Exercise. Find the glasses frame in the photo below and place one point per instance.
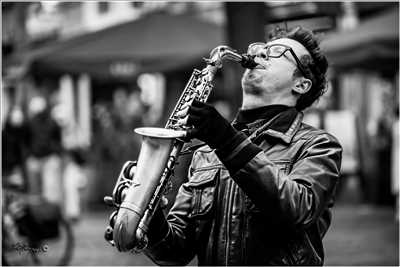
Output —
(300, 66)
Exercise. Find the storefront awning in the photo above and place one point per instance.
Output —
(156, 42)
(374, 44)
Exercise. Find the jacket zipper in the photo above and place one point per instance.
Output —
(244, 230)
(228, 216)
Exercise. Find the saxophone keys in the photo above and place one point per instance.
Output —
(188, 98)
(108, 234)
(183, 112)
(183, 121)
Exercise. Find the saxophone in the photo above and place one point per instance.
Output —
(137, 196)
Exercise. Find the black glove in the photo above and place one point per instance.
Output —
(208, 125)
(232, 146)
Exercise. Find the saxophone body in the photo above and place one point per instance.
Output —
(140, 184)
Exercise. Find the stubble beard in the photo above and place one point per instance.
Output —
(251, 84)
(252, 94)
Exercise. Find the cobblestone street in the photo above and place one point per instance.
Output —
(359, 235)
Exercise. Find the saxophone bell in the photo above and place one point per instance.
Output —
(129, 233)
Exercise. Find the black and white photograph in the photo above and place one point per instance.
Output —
(190, 133)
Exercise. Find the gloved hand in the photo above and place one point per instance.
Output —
(208, 125)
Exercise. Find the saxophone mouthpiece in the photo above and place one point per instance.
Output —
(248, 62)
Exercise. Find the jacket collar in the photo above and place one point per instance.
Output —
(283, 126)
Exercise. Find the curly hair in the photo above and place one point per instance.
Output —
(315, 66)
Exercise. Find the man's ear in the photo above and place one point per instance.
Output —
(302, 85)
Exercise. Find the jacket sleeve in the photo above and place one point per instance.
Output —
(297, 198)
(171, 239)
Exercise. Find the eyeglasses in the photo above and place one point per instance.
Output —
(274, 51)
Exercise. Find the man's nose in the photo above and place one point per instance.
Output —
(261, 58)
(262, 55)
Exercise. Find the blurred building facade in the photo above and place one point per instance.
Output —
(358, 96)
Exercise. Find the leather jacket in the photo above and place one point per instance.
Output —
(274, 210)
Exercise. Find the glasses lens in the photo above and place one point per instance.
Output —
(262, 48)
(255, 48)
(276, 50)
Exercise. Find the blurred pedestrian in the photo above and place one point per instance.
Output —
(45, 148)
(260, 191)
(75, 180)
(384, 144)
(14, 149)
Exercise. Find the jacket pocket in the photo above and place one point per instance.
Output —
(203, 183)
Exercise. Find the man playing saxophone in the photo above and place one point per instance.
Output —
(260, 192)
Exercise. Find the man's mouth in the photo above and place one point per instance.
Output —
(261, 67)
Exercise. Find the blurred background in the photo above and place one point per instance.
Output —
(78, 77)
